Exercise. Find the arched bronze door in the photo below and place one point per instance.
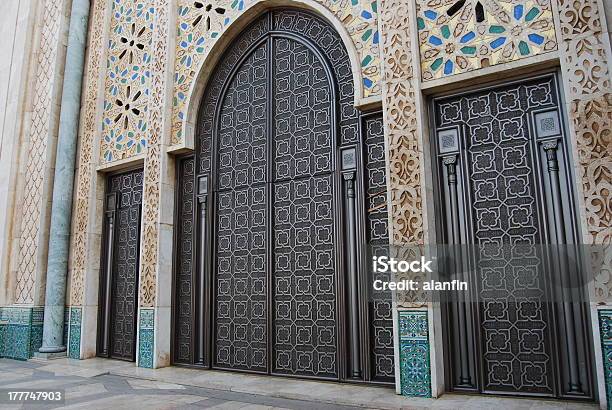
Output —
(268, 274)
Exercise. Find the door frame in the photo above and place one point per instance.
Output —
(104, 309)
(576, 235)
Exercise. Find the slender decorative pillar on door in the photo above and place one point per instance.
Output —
(202, 258)
(450, 162)
(349, 165)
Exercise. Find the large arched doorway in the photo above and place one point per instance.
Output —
(285, 192)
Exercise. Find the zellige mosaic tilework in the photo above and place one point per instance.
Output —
(74, 333)
(415, 369)
(128, 75)
(201, 23)
(20, 331)
(458, 36)
(605, 328)
(146, 327)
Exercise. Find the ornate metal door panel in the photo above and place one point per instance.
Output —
(241, 336)
(493, 165)
(265, 209)
(305, 335)
(184, 278)
(379, 301)
(304, 278)
(120, 266)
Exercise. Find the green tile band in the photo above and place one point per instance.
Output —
(20, 331)
(605, 329)
(146, 327)
(74, 332)
(415, 368)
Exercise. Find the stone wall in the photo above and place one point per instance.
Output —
(16, 36)
(32, 45)
(151, 55)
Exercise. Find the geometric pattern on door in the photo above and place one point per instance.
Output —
(127, 191)
(501, 190)
(276, 109)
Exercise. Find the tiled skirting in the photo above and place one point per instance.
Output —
(415, 368)
(20, 331)
(74, 332)
(66, 323)
(605, 328)
(146, 335)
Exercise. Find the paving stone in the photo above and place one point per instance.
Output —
(151, 384)
(85, 390)
(106, 384)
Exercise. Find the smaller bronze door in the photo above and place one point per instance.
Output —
(119, 267)
(506, 206)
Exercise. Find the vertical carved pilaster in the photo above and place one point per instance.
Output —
(42, 131)
(585, 53)
(349, 179)
(155, 158)
(82, 224)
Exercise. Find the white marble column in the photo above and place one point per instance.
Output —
(61, 210)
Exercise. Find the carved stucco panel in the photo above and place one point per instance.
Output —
(403, 135)
(81, 223)
(153, 159)
(586, 67)
(585, 54)
(39, 138)
(592, 121)
(401, 128)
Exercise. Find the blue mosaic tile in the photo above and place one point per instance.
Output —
(415, 368)
(36, 331)
(605, 328)
(146, 328)
(21, 331)
(74, 333)
(36, 335)
(66, 323)
(38, 314)
(3, 315)
(2, 337)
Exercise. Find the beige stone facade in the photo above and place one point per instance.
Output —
(33, 50)
(157, 55)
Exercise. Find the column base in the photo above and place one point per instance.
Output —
(52, 349)
(50, 355)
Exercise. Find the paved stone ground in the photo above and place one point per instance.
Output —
(106, 391)
(109, 384)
